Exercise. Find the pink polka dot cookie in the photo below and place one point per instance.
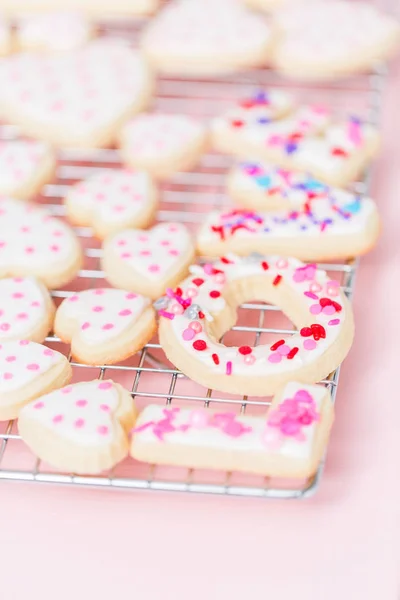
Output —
(149, 261)
(209, 38)
(25, 167)
(209, 298)
(82, 428)
(92, 8)
(79, 98)
(162, 144)
(112, 200)
(32, 242)
(27, 371)
(26, 309)
(54, 31)
(324, 40)
(105, 326)
(289, 441)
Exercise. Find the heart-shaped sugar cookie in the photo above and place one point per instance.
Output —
(105, 326)
(32, 242)
(78, 98)
(81, 428)
(28, 370)
(112, 200)
(148, 261)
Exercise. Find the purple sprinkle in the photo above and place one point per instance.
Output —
(290, 148)
(263, 120)
(229, 368)
(334, 322)
(311, 295)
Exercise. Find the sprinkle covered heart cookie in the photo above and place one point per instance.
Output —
(324, 40)
(32, 242)
(208, 37)
(79, 98)
(54, 31)
(26, 309)
(112, 200)
(105, 326)
(149, 261)
(82, 428)
(27, 371)
(25, 167)
(162, 144)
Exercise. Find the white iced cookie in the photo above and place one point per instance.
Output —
(112, 200)
(27, 371)
(162, 143)
(323, 40)
(54, 31)
(149, 261)
(25, 167)
(289, 441)
(210, 38)
(32, 242)
(93, 8)
(105, 326)
(26, 309)
(82, 428)
(204, 306)
(79, 98)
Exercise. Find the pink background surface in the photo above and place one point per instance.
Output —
(60, 542)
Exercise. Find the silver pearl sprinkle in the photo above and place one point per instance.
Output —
(254, 257)
(161, 303)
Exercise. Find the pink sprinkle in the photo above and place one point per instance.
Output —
(284, 349)
(315, 309)
(81, 403)
(102, 430)
(311, 295)
(173, 252)
(98, 308)
(119, 208)
(105, 385)
(33, 367)
(48, 352)
(108, 326)
(8, 375)
(17, 295)
(334, 322)
(11, 358)
(57, 233)
(58, 418)
(66, 390)
(188, 334)
(29, 249)
(309, 344)
(85, 325)
(329, 310)
(143, 238)
(22, 316)
(154, 268)
(229, 368)
(105, 407)
(131, 296)
(145, 253)
(98, 292)
(18, 280)
(172, 228)
(125, 313)
(121, 243)
(54, 248)
(79, 423)
(275, 357)
(4, 327)
(126, 255)
(38, 405)
(35, 303)
(74, 298)
(165, 243)
(24, 342)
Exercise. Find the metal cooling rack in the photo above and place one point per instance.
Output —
(186, 197)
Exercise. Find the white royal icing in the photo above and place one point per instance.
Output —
(83, 413)
(79, 91)
(22, 361)
(19, 162)
(54, 30)
(113, 196)
(23, 306)
(103, 314)
(31, 238)
(160, 135)
(153, 252)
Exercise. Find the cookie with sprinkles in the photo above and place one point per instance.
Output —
(289, 441)
(27, 371)
(33, 242)
(162, 144)
(209, 298)
(111, 200)
(82, 428)
(326, 40)
(54, 31)
(25, 167)
(105, 326)
(78, 98)
(191, 38)
(148, 262)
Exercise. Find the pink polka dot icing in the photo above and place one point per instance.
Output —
(101, 317)
(14, 304)
(19, 161)
(147, 254)
(78, 416)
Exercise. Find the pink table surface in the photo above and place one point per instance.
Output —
(63, 543)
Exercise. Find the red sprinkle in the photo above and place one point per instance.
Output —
(245, 350)
(215, 358)
(218, 229)
(237, 123)
(318, 332)
(198, 281)
(199, 345)
(178, 291)
(339, 152)
(215, 294)
(277, 344)
(277, 280)
(201, 315)
(265, 265)
(292, 353)
(225, 260)
(306, 331)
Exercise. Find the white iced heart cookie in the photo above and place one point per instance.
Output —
(32, 242)
(28, 370)
(289, 441)
(210, 296)
(55, 31)
(82, 428)
(94, 8)
(79, 98)
(208, 37)
(322, 40)
(25, 167)
(105, 326)
(112, 200)
(26, 309)
(162, 143)
(149, 261)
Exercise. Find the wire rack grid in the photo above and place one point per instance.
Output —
(186, 198)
